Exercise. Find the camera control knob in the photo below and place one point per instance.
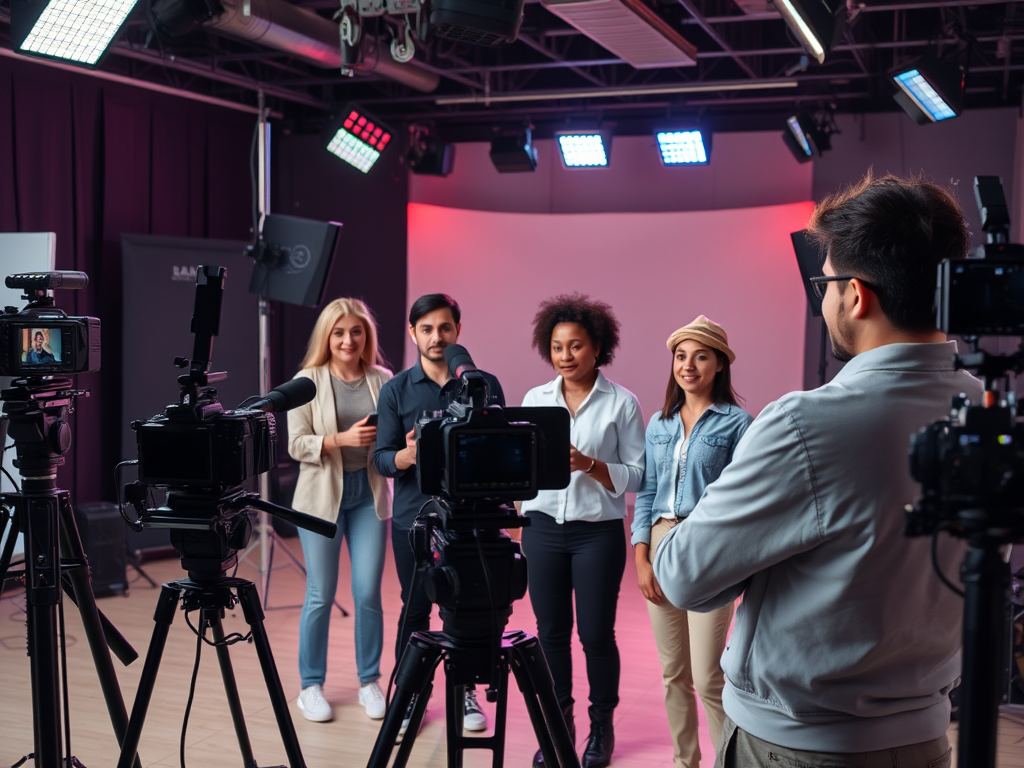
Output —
(60, 437)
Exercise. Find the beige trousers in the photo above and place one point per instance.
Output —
(690, 648)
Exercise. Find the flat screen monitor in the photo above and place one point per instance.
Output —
(295, 259)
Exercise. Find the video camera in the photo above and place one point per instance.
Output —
(42, 340)
(976, 458)
(479, 452)
(204, 455)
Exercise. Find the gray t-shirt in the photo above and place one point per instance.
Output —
(353, 401)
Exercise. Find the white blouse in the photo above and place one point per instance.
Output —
(608, 426)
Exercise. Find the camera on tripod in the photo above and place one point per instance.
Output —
(41, 339)
(975, 459)
(478, 452)
(204, 455)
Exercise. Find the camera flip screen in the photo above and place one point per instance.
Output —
(980, 297)
(499, 462)
(39, 347)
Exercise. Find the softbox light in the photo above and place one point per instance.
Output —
(293, 259)
(78, 31)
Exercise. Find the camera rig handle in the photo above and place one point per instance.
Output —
(36, 284)
(300, 519)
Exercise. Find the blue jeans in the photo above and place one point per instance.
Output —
(366, 534)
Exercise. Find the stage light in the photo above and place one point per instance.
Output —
(584, 149)
(814, 22)
(358, 138)
(801, 136)
(428, 155)
(930, 90)
(78, 31)
(514, 153)
(686, 147)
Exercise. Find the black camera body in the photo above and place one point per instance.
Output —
(475, 451)
(220, 449)
(42, 340)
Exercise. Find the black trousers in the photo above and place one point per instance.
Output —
(588, 559)
(416, 607)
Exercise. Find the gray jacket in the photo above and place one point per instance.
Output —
(846, 640)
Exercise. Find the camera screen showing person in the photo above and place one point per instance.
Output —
(40, 346)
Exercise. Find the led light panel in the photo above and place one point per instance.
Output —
(582, 150)
(924, 96)
(682, 147)
(359, 141)
(76, 30)
(798, 133)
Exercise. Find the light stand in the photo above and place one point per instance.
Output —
(267, 538)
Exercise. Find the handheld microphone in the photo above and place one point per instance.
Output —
(289, 395)
(458, 359)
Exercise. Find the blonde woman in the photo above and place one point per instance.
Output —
(332, 438)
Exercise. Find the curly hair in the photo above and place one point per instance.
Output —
(595, 317)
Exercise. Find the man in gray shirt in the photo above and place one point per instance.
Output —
(846, 643)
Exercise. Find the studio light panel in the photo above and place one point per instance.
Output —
(359, 140)
(682, 147)
(914, 84)
(73, 30)
(583, 150)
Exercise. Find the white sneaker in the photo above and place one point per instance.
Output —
(314, 706)
(474, 718)
(371, 697)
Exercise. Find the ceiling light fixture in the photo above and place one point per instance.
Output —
(814, 22)
(930, 90)
(358, 138)
(78, 31)
(584, 149)
(684, 147)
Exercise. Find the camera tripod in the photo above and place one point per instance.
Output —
(463, 665)
(55, 561)
(207, 530)
(211, 597)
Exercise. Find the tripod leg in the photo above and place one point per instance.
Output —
(42, 591)
(71, 548)
(534, 678)
(227, 673)
(166, 604)
(455, 712)
(413, 679)
(253, 613)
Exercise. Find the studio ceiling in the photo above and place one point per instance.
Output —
(749, 71)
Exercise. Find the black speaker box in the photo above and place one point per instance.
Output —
(102, 530)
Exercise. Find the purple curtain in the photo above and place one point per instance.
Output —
(89, 160)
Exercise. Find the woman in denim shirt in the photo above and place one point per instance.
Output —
(688, 445)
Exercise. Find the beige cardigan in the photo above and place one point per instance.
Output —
(319, 487)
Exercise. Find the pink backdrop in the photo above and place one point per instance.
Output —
(657, 270)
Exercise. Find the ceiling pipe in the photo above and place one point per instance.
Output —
(301, 33)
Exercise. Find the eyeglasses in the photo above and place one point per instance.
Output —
(820, 284)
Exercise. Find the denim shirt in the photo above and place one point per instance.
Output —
(711, 444)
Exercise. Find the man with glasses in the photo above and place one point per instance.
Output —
(846, 643)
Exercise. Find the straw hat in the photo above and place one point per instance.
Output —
(706, 332)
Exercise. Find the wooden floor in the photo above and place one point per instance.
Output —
(640, 726)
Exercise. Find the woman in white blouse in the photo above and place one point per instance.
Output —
(576, 545)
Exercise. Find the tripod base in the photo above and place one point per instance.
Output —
(211, 598)
(519, 651)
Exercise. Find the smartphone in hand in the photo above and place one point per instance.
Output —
(371, 420)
